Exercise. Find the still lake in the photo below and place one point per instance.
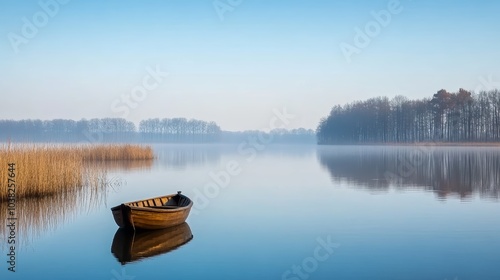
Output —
(283, 212)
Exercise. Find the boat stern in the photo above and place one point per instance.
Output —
(121, 214)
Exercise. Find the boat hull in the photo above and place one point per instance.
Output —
(135, 215)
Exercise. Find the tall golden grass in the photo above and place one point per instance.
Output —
(115, 152)
(43, 170)
(37, 216)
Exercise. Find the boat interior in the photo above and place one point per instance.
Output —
(173, 202)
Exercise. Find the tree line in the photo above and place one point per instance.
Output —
(460, 116)
(155, 130)
(107, 130)
(278, 135)
(178, 130)
(65, 130)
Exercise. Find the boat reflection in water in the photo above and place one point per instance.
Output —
(129, 246)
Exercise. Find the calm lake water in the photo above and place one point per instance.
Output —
(283, 212)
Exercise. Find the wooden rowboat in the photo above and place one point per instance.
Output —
(130, 246)
(154, 213)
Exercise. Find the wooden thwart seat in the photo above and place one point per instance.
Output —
(165, 207)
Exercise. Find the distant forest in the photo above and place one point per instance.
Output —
(446, 117)
(174, 130)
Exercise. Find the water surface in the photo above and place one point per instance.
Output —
(386, 213)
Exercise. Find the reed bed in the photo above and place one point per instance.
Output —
(43, 170)
(38, 216)
(116, 152)
(122, 165)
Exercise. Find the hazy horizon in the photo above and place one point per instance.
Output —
(236, 65)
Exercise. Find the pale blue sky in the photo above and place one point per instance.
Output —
(264, 54)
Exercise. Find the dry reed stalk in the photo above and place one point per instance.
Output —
(43, 170)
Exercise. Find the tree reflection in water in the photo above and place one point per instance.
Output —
(461, 171)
